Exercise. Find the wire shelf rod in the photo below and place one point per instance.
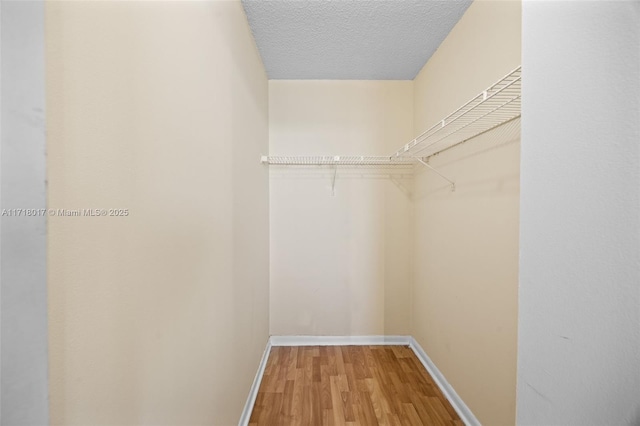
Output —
(334, 160)
(496, 105)
(499, 120)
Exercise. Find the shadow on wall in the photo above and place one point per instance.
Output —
(473, 151)
(400, 176)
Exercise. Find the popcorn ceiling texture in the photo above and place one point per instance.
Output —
(346, 40)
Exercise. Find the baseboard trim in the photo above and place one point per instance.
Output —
(339, 340)
(458, 404)
(253, 392)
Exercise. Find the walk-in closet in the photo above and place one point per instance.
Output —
(320, 212)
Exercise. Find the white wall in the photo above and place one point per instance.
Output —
(160, 317)
(23, 271)
(579, 309)
(466, 242)
(340, 265)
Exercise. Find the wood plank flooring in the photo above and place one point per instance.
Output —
(349, 385)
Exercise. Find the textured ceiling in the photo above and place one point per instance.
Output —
(350, 39)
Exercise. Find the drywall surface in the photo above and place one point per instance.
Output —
(350, 40)
(23, 259)
(340, 264)
(158, 108)
(466, 242)
(579, 324)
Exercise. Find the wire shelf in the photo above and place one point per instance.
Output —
(493, 107)
(497, 105)
(335, 160)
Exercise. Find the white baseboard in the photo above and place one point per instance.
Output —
(339, 340)
(461, 408)
(253, 392)
(458, 404)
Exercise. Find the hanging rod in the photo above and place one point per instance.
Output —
(334, 160)
(496, 105)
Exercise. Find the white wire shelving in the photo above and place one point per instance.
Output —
(493, 107)
(496, 105)
(335, 160)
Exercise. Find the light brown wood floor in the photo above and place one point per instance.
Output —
(349, 385)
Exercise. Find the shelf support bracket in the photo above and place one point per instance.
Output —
(453, 184)
(333, 183)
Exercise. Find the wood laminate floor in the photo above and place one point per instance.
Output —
(349, 385)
